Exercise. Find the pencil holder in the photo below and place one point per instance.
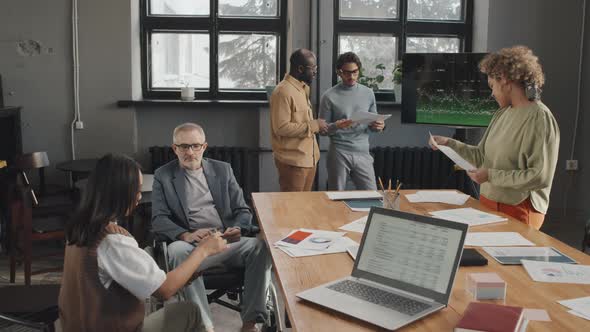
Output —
(391, 200)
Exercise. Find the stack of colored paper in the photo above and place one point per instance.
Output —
(309, 242)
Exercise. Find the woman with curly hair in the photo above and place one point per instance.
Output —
(517, 154)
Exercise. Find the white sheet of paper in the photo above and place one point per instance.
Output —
(340, 195)
(318, 240)
(339, 245)
(520, 251)
(539, 315)
(368, 117)
(557, 272)
(353, 251)
(355, 226)
(580, 305)
(578, 314)
(491, 239)
(438, 196)
(469, 216)
(454, 156)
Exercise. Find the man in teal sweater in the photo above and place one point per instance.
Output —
(349, 143)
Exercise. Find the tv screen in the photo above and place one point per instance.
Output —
(446, 89)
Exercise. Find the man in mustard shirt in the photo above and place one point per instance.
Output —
(293, 128)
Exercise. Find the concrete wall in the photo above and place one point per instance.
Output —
(552, 29)
(109, 71)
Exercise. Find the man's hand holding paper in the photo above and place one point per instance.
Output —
(368, 117)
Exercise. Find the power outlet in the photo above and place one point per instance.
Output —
(571, 165)
(79, 125)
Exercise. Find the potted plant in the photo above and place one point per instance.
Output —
(373, 82)
(397, 81)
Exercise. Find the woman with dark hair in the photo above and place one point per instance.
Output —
(349, 143)
(517, 154)
(107, 277)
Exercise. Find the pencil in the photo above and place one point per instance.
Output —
(381, 184)
(397, 189)
(389, 185)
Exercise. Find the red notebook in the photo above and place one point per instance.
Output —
(489, 317)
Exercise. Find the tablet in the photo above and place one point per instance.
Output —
(513, 255)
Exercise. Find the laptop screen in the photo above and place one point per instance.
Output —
(410, 252)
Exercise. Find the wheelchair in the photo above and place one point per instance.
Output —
(222, 281)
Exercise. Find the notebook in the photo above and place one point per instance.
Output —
(489, 317)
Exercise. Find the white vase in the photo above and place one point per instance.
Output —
(187, 93)
(397, 91)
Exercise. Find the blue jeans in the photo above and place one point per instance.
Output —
(250, 253)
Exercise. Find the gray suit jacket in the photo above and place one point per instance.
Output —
(169, 203)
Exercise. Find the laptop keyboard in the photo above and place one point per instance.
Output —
(380, 297)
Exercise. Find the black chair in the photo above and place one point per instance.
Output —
(35, 217)
(26, 308)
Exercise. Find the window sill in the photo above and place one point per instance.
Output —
(174, 102)
(392, 104)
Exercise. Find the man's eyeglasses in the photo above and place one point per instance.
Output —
(313, 68)
(349, 72)
(194, 147)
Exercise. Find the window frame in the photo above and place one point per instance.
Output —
(402, 28)
(213, 25)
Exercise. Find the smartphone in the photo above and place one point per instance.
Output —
(230, 240)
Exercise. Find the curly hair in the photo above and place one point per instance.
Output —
(517, 63)
(348, 57)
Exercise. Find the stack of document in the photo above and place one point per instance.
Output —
(496, 239)
(341, 195)
(438, 196)
(469, 216)
(310, 242)
(579, 307)
(557, 272)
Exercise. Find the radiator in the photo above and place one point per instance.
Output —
(244, 163)
(420, 168)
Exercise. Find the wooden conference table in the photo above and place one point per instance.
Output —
(279, 213)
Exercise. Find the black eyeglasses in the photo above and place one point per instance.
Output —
(194, 147)
(349, 72)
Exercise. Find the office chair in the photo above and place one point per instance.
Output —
(30, 308)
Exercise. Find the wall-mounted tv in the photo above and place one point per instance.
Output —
(446, 89)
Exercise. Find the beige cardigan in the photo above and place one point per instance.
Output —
(519, 149)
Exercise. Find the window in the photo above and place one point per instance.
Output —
(225, 49)
(381, 31)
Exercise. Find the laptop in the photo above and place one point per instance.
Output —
(404, 270)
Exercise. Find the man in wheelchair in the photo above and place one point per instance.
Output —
(191, 197)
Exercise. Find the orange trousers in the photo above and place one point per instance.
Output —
(523, 212)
